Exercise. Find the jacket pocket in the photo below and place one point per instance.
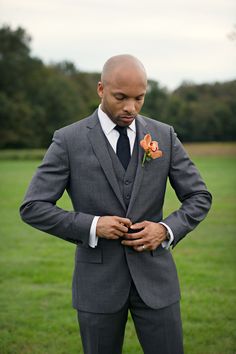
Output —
(88, 255)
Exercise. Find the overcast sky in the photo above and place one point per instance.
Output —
(176, 40)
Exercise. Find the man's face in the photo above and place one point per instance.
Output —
(122, 97)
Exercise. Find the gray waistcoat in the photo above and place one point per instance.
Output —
(125, 178)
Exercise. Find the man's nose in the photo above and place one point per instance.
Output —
(130, 107)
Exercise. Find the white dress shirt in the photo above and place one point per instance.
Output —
(112, 136)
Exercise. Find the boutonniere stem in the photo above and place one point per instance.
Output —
(151, 149)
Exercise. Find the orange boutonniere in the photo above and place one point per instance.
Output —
(151, 149)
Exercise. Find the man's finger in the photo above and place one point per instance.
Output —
(134, 235)
(122, 228)
(138, 225)
(141, 248)
(124, 221)
(132, 243)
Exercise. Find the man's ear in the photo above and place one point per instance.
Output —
(100, 89)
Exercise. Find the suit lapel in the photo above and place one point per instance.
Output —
(98, 142)
(141, 128)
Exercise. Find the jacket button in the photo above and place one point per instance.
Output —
(127, 182)
(127, 196)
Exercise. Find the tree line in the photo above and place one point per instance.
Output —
(36, 99)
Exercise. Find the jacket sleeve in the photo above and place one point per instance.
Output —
(39, 207)
(190, 190)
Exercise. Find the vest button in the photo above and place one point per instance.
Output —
(127, 196)
(127, 182)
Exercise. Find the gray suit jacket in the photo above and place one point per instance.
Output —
(78, 161)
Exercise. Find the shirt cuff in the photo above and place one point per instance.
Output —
(166, 244)
(93, 239)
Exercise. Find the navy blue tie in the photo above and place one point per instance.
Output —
(123, 146)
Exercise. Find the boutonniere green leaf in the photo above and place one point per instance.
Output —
(151, 149)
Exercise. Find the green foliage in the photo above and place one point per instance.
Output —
(208, 112)
(155, 100)
(197, 112)
(35, 272)
(36, 99)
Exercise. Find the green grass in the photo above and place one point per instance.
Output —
(22, 154)
(36, 269)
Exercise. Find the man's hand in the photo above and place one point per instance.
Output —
(112, 227)
(148, 239)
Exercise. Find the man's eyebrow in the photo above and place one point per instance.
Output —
(119, 93)
(124, 95)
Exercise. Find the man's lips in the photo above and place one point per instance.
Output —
(127, 117)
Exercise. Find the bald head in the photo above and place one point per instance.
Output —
(122, 88)
(120, 65)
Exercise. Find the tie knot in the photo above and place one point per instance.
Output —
(121, 130)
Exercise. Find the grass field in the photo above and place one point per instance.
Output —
(35, 272)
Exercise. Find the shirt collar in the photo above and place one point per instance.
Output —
(108, 125)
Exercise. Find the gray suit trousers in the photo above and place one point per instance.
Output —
(159, 331)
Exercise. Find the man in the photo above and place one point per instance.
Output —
(117, 190)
